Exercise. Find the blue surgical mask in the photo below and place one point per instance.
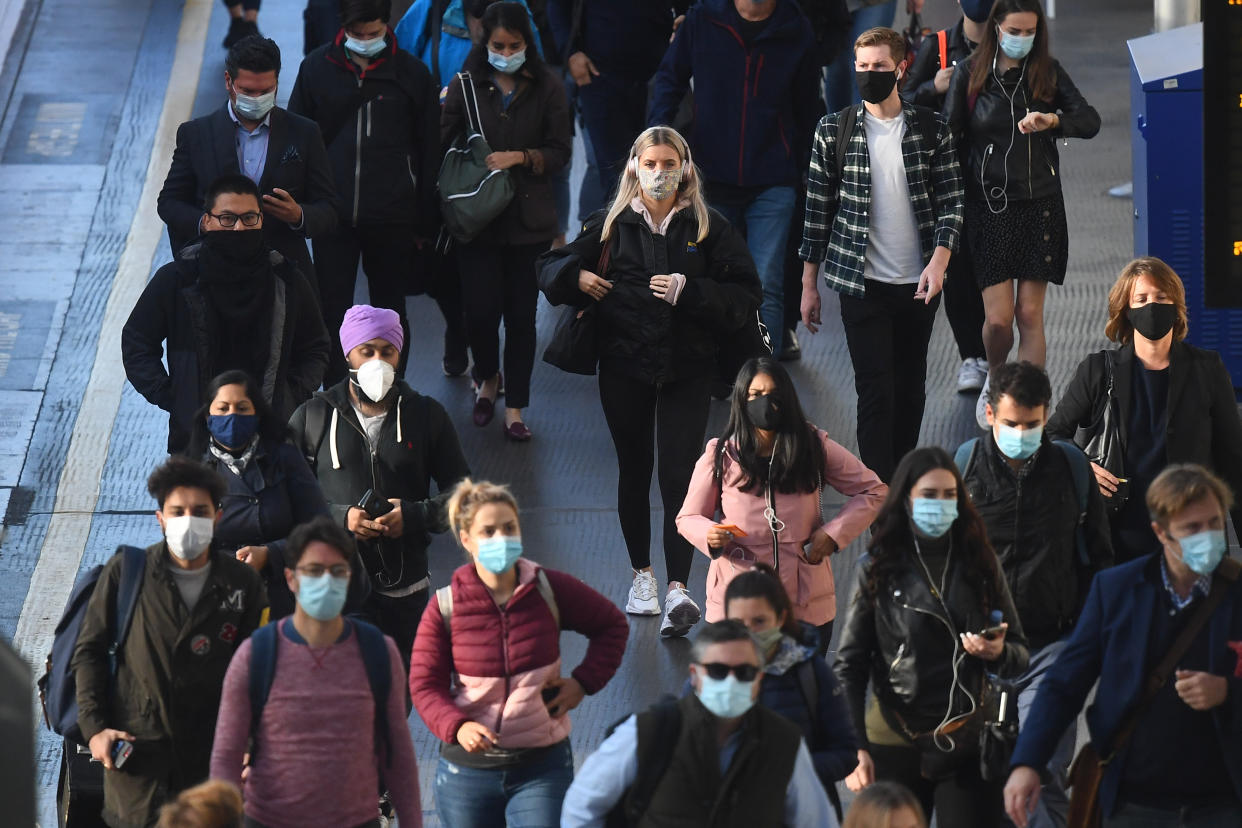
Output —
(1016, 46)
(1018, 443)
(727, 698)
(933, 516)
(322, 597)
(254, 108)
(509, 64)
(499, 552)
(232, 430)
(1203, 551)
(366, 48)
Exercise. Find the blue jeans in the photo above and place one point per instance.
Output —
(1053, 803)
(839, 88)
(765, 222)
(1208, 816)
(523, 796)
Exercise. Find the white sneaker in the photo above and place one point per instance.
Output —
(972, 375)
(643, 600)
(981, 404)
(680, 613)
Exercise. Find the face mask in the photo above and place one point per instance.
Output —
(764, 413)
(239, 247)
(375, 378)
(366, 48)
(499, 552)
(232, 430)
(976, 10)
(1016, 46)
(726, 698)
(1018, 443)
(874, 87)
(188, 536)
(1153, 320)
(933, 516)
(322, 597)
(253, 108)
(767, 639)
(509, 64)
(659, 184)
(1203, 551)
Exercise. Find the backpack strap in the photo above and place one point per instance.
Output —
(846, 119)
(374, 651)
(1080, 473)
(545, 589)
(722, 446)
(263, 646)
(133, 567)
(444, 597)
(314, 429)
(654, 756)
(965, 455)
(808, 684)
(942, 40)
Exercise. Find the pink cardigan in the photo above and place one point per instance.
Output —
(810, 587)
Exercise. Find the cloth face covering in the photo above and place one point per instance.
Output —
(1153, 320)
(659, 184)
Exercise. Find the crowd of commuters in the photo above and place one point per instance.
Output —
(287, 624)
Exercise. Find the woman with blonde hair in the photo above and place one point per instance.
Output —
(486, 669)
(1171, 402)
(664, 276)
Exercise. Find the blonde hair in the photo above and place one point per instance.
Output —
(687, 190)
(1119, 328)
(468, 496)
(213, 804)
(1180, 485)
(875, 805)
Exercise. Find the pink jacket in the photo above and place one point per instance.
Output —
(502, 657)
(810, 587)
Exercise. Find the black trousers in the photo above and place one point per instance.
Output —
(963, 304)
(642, 418)
(397, 618)
(498, 282)
(887, 332)
(962, 800)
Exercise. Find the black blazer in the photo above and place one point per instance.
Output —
(1203, 425)
(296, 162)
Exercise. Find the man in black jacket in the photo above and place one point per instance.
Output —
(380, 116)
(1026, 489)
(226, 302)
(195, 606)
(280, 152)
(372, 434)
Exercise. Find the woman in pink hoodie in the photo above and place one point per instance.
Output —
(485, 674)
(755, 497)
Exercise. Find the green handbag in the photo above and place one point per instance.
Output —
(471, 195)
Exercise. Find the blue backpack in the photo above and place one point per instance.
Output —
(58, 689)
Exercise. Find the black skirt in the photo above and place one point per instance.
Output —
(1026, 240)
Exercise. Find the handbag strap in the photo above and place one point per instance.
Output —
(1226, 575)
(474, 123)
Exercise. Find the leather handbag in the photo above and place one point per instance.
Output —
(1101, 441)
(575, 342)
(471, 195)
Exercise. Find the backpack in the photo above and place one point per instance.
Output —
(1080, 473)
(653, 762)
(471, 195)
(374, 649)
(444, 598)
(848, 117)
(58, 688)
(314, 429)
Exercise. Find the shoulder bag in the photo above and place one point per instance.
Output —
(471, 195)
(1101, 441)
(575, 342)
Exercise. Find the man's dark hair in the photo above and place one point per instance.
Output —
(234, 184)
(254, 53)
(722, 632)
(364, 11)
(179, 472)
(1025, 382)
(323, 529)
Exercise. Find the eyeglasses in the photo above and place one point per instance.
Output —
(315, 570)
(230, 219)
(744, 672)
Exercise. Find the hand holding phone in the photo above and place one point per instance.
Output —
(375, 507)
(121, 751)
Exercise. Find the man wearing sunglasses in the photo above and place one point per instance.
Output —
(712, 758)
(226, 302)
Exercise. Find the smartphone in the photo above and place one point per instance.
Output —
(731, 529)
(121, 751)
(374, 506)
(549, 693)
(991, 633)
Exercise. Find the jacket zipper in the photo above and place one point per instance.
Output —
(755, 86)
(504, 649)
(409, 165)
(901, 650)
(741, 145)
(358, 162)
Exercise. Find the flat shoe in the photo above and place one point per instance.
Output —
(484, 410)
(517, 432)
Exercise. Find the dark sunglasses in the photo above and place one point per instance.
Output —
(744, 672)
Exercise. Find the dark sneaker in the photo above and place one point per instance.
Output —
(238, 29)
(792, 350)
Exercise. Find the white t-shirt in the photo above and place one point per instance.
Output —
(893, 254)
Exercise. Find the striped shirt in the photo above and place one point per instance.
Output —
(837, 206)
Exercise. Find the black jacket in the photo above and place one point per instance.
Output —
(918, 86)
(1203, 423)
(902, 643)
(296, 162)
(381, 126)
(1032, 521)
(173, 313)
(417, 444)
(986, 126)
(641, 335)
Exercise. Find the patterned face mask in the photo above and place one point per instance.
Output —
(659, 184)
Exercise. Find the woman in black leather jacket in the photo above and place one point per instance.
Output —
(1007, 104)
(930, 616)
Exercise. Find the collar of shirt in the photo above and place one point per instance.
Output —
(639, 207)
(265, 123)
(1200, 589)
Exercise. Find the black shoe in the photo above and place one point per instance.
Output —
(252, 28)
(792, 351)
(238, 28)
(455, 365)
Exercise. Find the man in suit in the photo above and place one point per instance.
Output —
(1182, 765)
(281, 152)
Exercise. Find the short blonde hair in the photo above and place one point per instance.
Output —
(1180, 485)
(468, 496)
(1119, 328)
(883, 36)
(212, 804)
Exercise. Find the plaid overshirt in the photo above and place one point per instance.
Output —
(835, 229)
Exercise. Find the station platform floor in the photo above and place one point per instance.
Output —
(90, 98)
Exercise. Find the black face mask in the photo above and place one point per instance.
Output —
(874, 87)
(1153, 320)
(976, 10)
(240, 247)
(764, 412)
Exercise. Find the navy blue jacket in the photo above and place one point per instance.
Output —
(1110, 643)
(755, 109)
(623, 37)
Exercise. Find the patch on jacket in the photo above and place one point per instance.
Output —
(227, 633)
(691, 247)
(235, 601)
(200, 645)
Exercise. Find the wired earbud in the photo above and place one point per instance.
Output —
(1001, 193)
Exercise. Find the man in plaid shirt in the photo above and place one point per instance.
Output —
(885, 225)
